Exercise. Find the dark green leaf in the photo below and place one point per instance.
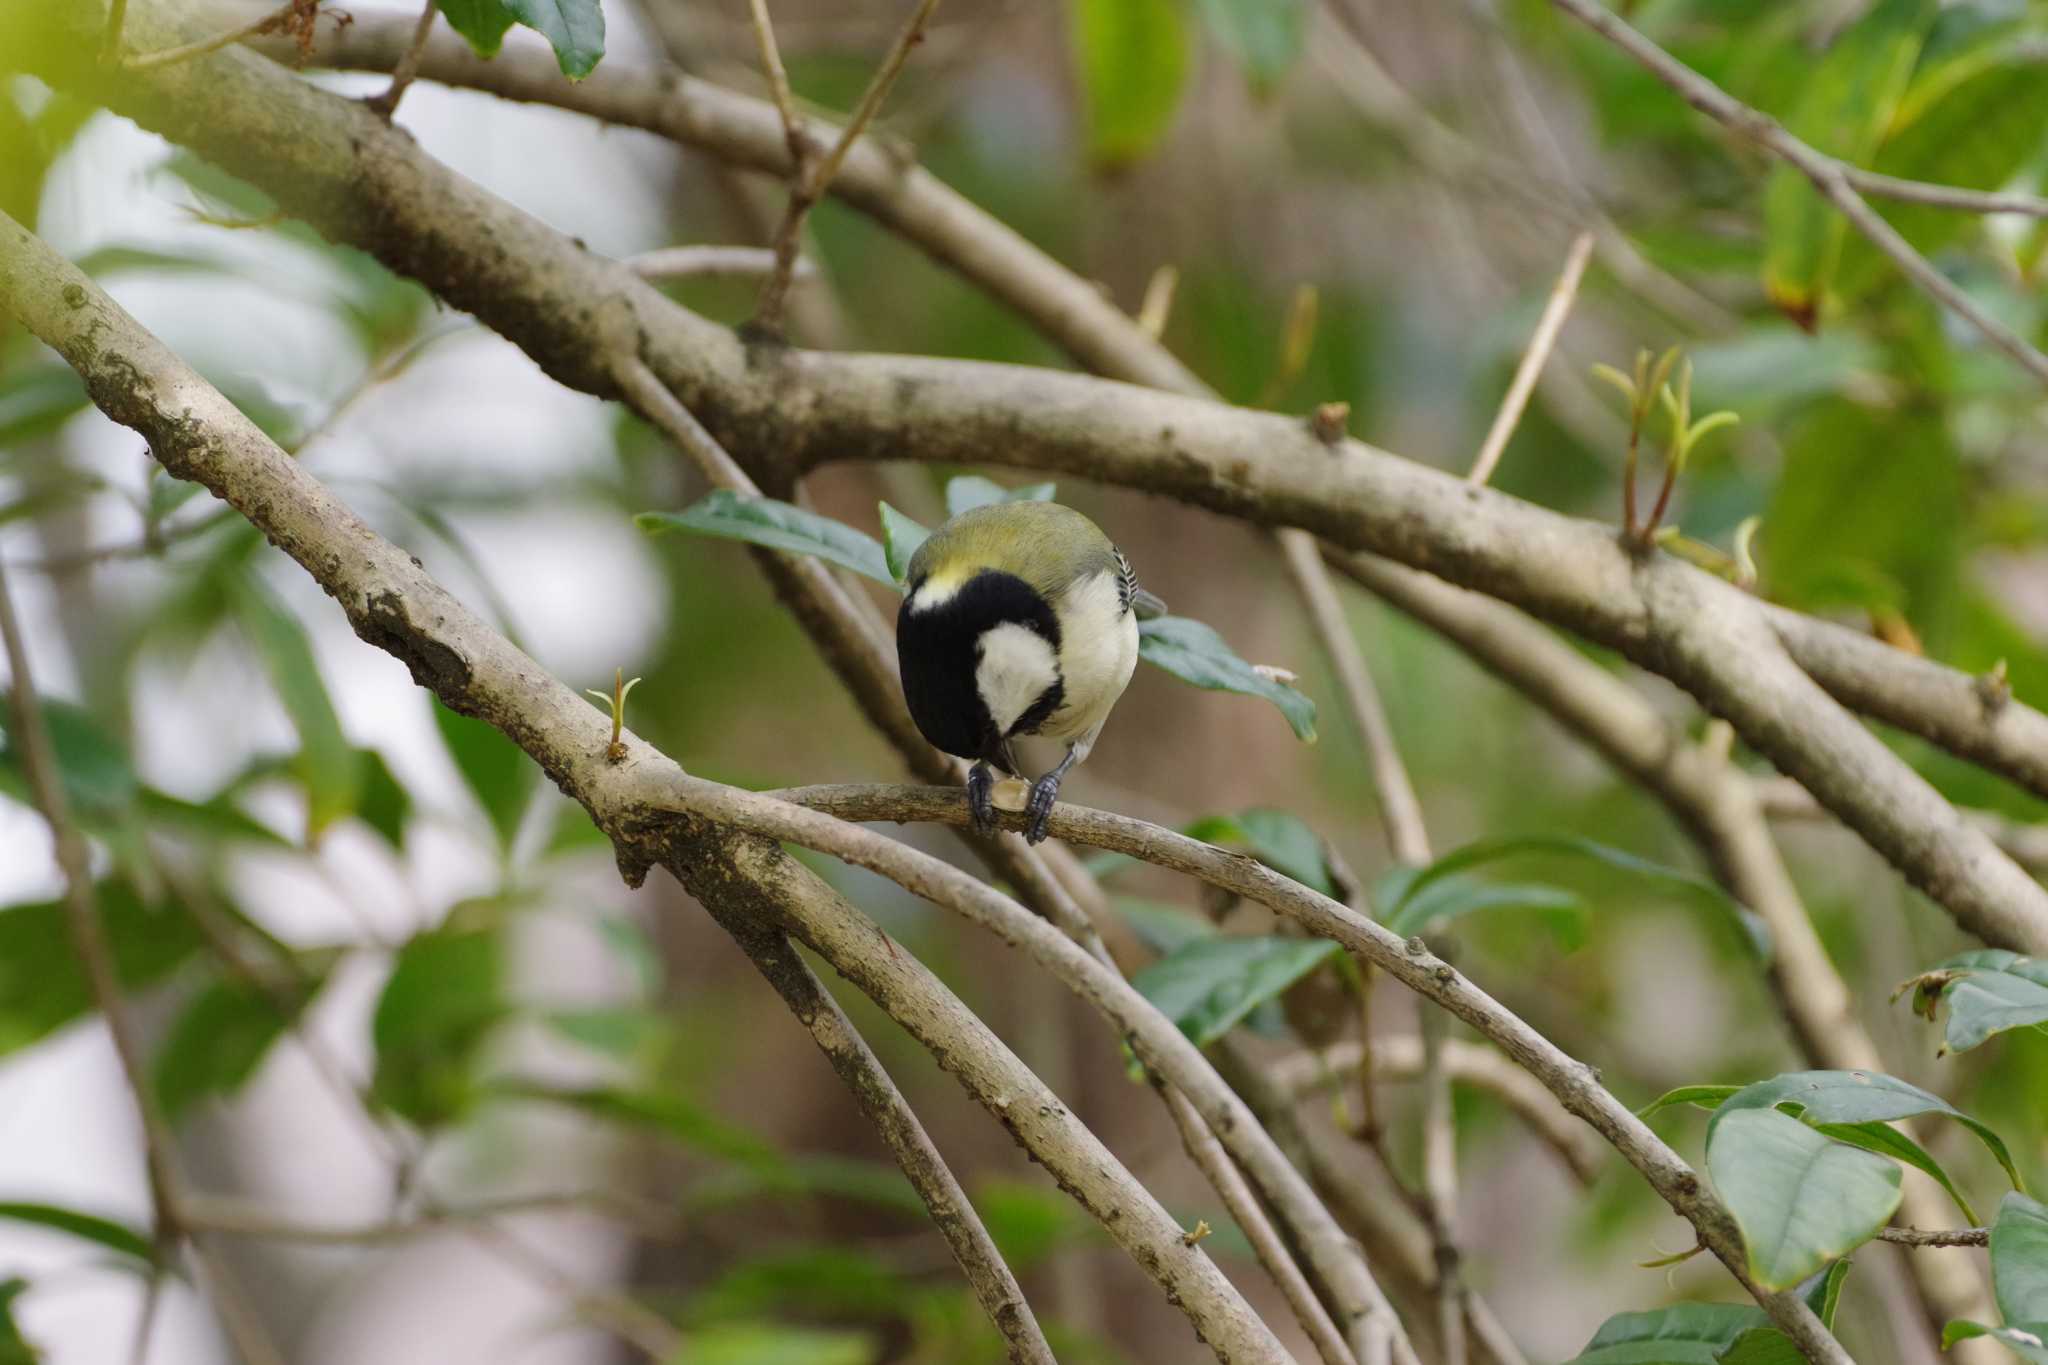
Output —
(1452, 897)
(1132, 60)
(1695, 889)
(1843, 109)
(37, 399)
(1196, 654)
(445, 994)
(1856, 1097)
(1800, 1198)
(14, 1348)
(220, 1039)
(1769, 1346)
(900, 538)
(575, 28)
(215, 818)
(98, 781)
(2029, 1341)
(773, 1343)
(668, 1114)
(1264, 37)
(969, 491)
(2019, 1259)
(1286, 844)
(1162, 928)
(1701, 1096)
(498, 773)
(1886, 1140)
(1030, 1224)
(1989, 992)
(1683, 1334)
(385, 805)
(42, 987)
(119, 1238)
(1209, 984)
(776, 525)
(330, 767)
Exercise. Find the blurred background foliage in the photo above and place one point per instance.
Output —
(330, 896)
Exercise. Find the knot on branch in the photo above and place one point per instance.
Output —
(434, 663)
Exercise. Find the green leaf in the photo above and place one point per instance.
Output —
(1990, 991)
(1162, 928)
(37, 399)
(1696, 889)
(1286, 844)
(1451, 898)
(1800, 1198)
(119, 1238)
(1701, 1096)
(445, 994)
(2019, 1259)
(330, 767)
(1264, 37)
(483, 22)
(969, 491)
(1843, 109)
(574, 28)
(663, 1112)
(385, 805)
(1131, 57)
(1196, 654)
(1886, 1140)
(91, 764)
(1769, 1346)
(777, 526)
(1029, 1224)
(900, 538)
(1208, 985)
(220, 1039)
(624, 1033)
(2029, 1341)
(14, 1348)
(43, 988)
(1857, 1097)
(1971, 118)
(1683, 1334)
(497, 771)
(770, 1343)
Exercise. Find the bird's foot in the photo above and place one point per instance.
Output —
(1044, 792)
(981, 806)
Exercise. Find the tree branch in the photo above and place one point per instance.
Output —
(1829, 175)
(641, 801)
(1548, 326)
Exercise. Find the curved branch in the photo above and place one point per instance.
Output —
(390, 601)
(784, 411)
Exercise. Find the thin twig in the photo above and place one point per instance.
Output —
(809, 182)
(1547, 327)
(386, 104)
(144, 61)
(1829, 175)
(778, 87)
(1881, 186)
(1936, 1237)
(88, 934)
(1440, 1185)
(713, 262)
(1229, 1183)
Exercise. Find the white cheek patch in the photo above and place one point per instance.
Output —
(1014, 668)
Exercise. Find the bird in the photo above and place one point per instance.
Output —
(1019, 618)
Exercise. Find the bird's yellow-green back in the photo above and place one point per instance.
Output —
(1043, 543)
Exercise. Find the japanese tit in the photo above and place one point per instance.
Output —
(1021, 619)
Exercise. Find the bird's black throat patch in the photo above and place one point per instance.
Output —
(939, 649)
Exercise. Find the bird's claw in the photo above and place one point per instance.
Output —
(981, 808)
(1044, 792)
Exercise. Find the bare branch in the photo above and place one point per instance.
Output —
(1524, 383)
(1215, 1164)
(1829, 175)
(184, 52)
(386, 104)
(1936, 1237)
(713, 262)
(1882, 186)
(1781, 798)
(812, 180)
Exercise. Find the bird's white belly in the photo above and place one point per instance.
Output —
(1098, 652)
